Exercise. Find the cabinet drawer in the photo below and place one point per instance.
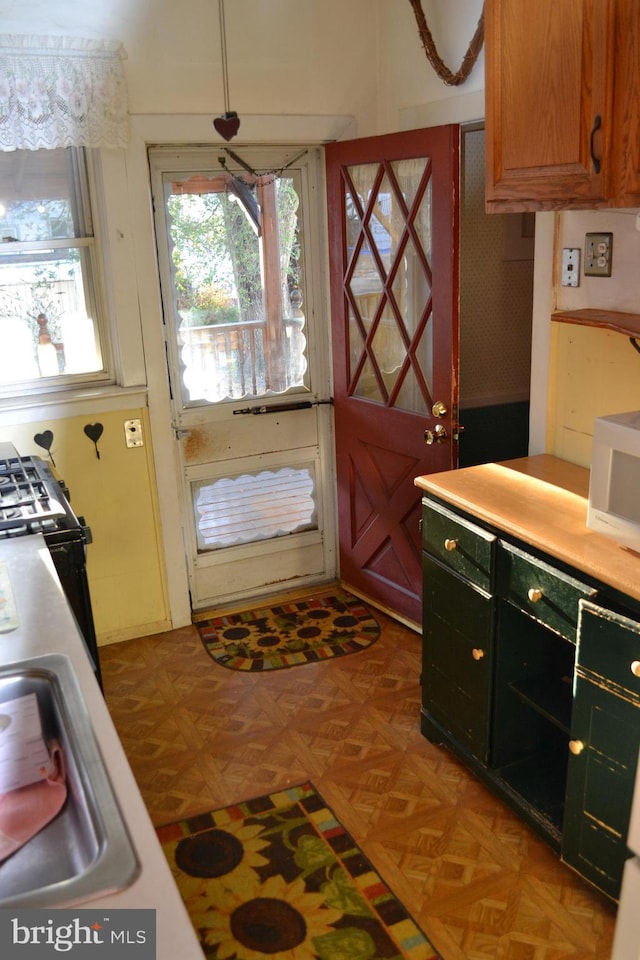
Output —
(609, 646)
(460, 545)
(541, 591)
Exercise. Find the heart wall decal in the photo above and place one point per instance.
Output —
(45, 440)
(94, 431)
(227, 125)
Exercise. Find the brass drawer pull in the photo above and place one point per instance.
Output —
(477, 653)
(576, 747)
(450, 544)
(635, 668)
(534, 594)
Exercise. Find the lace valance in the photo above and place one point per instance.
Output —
(61, 92)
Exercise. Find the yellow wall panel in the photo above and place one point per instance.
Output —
(116, 495)
(594, 372)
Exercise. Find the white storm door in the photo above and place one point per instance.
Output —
(248, 367)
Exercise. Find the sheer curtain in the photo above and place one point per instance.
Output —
(61, 92)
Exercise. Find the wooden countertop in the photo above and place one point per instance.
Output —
(543, 501)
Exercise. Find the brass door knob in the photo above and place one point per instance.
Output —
(437, 435)
(477, 653)
(450, 544)
(534, 594)
(576, 747)
(439, 409)
(635, 668)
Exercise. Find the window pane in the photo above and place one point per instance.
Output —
(45, 327)
(41, 195)
(48, 318)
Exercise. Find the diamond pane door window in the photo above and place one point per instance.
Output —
(252, 507)
(388, 282)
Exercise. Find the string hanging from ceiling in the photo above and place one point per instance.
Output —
(436, 61)
(229, 123)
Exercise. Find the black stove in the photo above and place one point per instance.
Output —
(33, 500)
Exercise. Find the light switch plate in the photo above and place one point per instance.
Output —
(570, 267)
(133, 433)
(598, 248)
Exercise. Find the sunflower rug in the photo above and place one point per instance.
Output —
(302, 631)
(280, 878)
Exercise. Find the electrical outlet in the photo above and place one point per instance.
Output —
(570, 267)
(598, 248)
(133, 433)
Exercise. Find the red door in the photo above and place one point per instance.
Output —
(393, 238)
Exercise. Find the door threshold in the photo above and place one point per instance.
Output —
(266, 600)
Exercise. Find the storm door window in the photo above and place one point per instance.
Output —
(237, 284)
(251, 507)
(49, 324)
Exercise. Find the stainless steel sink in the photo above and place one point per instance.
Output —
(86, 850)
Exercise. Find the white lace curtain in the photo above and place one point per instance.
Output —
(61, 92)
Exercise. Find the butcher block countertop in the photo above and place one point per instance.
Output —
(540, 500)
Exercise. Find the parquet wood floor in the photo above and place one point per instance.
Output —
(474, 876)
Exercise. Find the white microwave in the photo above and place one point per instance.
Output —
(614, 488)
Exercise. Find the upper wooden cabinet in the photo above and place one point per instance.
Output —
(562, 104)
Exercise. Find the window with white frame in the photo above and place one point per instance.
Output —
(51, 331)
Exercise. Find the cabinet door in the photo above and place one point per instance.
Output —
(457, 656)
(627, 104)
(549, 102)
(605, 732)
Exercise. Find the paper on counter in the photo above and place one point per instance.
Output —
(8, 609)
(24, 757)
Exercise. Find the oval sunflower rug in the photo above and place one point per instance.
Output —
(288, 634)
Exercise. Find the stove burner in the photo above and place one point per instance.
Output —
(31, 499)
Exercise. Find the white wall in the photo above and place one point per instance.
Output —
(299, 71)
(411, 94)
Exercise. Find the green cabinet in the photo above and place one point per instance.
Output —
(533, 679)
(603, 750)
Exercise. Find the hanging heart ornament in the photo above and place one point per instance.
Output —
(227, 125)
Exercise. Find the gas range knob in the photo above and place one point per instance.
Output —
(86, 530)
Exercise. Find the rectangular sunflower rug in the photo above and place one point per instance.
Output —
(279, 878)
(289, 634)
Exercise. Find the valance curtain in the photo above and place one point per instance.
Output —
(61, 92)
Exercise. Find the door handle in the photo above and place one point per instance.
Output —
(437, 435)
(597, 123)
